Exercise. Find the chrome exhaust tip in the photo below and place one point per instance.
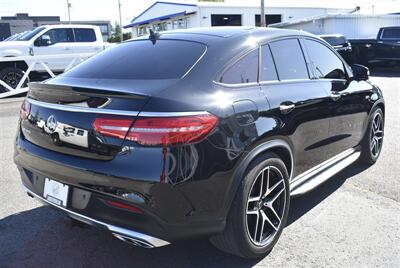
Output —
(134, 241)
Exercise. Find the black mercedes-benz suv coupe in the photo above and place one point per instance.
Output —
(197, 133)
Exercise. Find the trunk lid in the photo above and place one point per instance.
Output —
(61, 118)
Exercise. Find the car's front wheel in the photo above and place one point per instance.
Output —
(259, 211)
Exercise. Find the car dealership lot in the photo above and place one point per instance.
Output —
(352, 220)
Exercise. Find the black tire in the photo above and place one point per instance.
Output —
(11, 76)
(368, 155)
(236, 238)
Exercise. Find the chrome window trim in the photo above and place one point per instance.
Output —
(78, 109)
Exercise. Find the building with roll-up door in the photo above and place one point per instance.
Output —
(162, 16)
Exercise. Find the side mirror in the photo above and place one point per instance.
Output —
(360, 72)
(43, 41)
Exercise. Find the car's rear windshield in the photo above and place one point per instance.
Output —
(335, 40)
(142, 60)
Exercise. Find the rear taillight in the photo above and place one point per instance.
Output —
(25, 110)
(159, 130)
(116, 128)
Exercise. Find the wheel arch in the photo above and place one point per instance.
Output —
(279, 147)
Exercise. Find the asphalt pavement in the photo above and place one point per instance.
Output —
(353, 220)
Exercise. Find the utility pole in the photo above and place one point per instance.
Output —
(69, 11)
(263, 23)
(120, 20)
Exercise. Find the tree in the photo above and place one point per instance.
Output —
(116, 35)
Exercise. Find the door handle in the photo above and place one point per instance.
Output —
(286, 107)
(335, 96)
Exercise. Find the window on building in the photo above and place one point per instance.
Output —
(142, 30)
(84, 35)
(244, 71)
(331, 67)
(226, 20)
(104, 29)
(267, 65)
(289, 59)
(159, 27)
(62, 35)
(182, 23)
(269, 19)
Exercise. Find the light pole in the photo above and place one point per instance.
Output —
(120, 20)
(69, 11)
(263, 23)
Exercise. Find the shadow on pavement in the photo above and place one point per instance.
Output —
(302, 204)
(42, 237)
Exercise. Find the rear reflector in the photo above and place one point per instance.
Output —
(159, 130)
(119, 205)
(25, 110)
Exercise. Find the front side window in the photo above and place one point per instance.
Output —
(267, 65)
(325, 63)
(84, 35)
(63, 35)
(243, 71)
(289, 59)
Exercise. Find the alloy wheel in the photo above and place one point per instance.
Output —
(376, 138)
(265, 206)
(12, 79)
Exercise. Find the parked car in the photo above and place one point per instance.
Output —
(383, 50)
(340, 43)
(47, 40)
(197, 133)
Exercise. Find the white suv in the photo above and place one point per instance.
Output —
(47, 40)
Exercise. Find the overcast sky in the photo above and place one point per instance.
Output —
(100, 9)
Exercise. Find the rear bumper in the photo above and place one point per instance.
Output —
(168, 212)
(124, 234)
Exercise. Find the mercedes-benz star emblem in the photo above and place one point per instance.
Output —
(51, 123)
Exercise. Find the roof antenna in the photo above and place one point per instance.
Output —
(153, 36)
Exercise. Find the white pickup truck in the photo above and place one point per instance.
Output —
(47, 40)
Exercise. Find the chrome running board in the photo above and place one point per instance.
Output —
(310, 179)
(126, 235)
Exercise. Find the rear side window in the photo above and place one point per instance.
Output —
(84, 35)
(268, 71)
(142, 60)
(289, 59)
(243, 71)
(391, 33)
(324, 62)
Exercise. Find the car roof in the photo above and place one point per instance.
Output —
(69, 26)
(210, 35)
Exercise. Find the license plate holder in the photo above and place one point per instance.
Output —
(55, 192)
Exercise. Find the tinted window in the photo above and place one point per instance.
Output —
(391, 33)
(335, 40)
(325, 63)
(289, 59)
(268, 71)
(244, 71)
(142, 60)
(84, 35)
(60, 35)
